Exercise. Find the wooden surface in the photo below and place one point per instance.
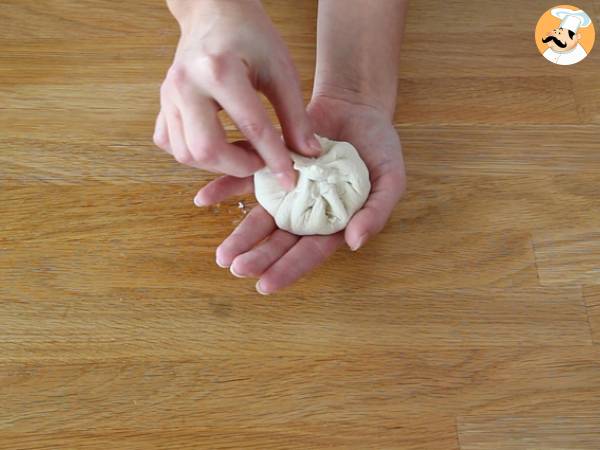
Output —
(471, 322)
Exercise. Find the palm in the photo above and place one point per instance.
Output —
(257, 248)
(375, 138)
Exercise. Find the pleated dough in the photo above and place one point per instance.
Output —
(330, 189)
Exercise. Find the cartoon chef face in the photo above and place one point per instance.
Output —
(561, 40)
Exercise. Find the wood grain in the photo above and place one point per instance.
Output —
(568, 256)
(436, 435)
(471, 322)
(119, 254)
(182, 321)
(591, 296)
(298, 391)
(523, 433)
(587, 97)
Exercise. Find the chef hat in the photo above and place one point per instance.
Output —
(571, 20)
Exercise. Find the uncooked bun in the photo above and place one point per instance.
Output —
(330, 189)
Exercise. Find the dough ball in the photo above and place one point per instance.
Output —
(330, 189)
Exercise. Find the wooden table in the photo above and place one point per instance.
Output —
(471, 322)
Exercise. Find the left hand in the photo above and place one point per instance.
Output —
(283, 258)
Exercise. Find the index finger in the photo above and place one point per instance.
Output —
(239, 98)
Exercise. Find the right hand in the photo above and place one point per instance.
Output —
(228, 50)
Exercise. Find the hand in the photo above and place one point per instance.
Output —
(227, 51)
(256, 248)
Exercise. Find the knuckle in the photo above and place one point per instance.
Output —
(214, 67)
(160, 140)
(203, 153)
(177, 75)
(254, 131)
(184, 158)
(281, 165)
(165, 90)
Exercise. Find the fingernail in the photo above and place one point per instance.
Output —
(234, 273)
(314, 145)
(259, 290)
(359, 243)
(198, 202)
(287, 179)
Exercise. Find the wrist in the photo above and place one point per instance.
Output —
(347, 111)
(189, 12)
(355, 97)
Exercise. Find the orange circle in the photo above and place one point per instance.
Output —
(548, 22)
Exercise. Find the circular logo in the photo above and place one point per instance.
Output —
(565, 35)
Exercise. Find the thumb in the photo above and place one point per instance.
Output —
(286, 97)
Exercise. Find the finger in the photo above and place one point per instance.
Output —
(222, 188)
(370, 220)
(256, 261)
(286, 96)
(176, 137)
(256, 226)
(237, 96)
(161, 133)
(207, 143)
(308, 253)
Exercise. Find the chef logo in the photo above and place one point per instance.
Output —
(565, 35)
